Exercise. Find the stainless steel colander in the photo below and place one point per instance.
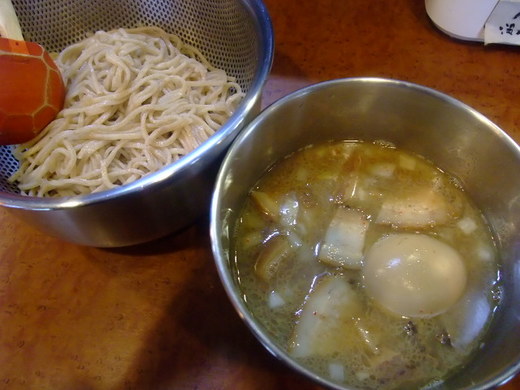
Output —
(235, 35)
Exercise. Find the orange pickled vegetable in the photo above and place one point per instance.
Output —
(31, 87)
(32, 90)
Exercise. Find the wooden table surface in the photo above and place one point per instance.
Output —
(155, 316)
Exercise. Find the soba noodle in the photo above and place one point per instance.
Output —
(136, 100)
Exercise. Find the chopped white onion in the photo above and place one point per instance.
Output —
(385, 170)
(362, 375)
(467, 225)
(275, 300)
(407, 162)
(337, 372)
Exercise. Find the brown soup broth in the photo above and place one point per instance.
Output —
(278, 246)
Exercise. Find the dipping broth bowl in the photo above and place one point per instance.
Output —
(455, 137)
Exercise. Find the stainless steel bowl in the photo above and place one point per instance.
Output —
(235, 35)
(457, 138)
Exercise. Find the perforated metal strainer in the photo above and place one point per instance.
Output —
(235, 35)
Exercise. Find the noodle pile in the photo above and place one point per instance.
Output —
(136, 100)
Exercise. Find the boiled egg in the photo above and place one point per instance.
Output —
(414, 275)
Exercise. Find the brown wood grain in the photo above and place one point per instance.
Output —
(155, 316)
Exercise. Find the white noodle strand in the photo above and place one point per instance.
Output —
(137, 100)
